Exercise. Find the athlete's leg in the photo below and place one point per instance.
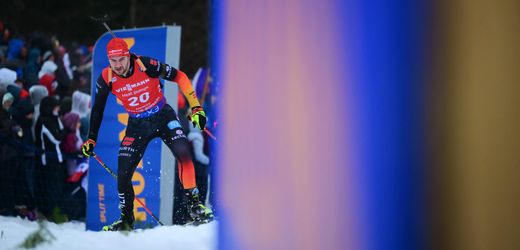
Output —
(176, 140)
(130, 153)
(138, 133)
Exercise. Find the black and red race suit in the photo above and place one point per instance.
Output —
(150, 116)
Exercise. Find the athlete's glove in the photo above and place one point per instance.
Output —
(88, 147)
(198, 117)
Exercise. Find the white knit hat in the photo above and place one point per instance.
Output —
(7, 98)
(48, 67)
(7, 76)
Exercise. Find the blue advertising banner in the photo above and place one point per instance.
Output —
(102, 199)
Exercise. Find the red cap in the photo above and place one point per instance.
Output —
(117, 47)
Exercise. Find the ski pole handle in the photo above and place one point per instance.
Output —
(205, 130)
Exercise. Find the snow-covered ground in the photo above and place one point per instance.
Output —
(72, 235)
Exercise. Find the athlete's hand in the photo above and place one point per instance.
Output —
(88, 147)
(198, 117)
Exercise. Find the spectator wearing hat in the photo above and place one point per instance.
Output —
(81, 106)
(47, 76)
(7, 77)
(32, 68)
(37, 93)
(75, 197)
(16, 56)
(8, 156)
(23, 113)
(72, 142)
(18, 93)
(65, 105)
(48, 56)
(50, 133)
(7, 101)
(63, 73)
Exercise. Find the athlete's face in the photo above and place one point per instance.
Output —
(120, 64)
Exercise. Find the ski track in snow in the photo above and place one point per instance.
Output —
(72, 235)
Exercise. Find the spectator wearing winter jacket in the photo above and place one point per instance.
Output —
(49, 133)
(8, 157)
(50, 64)
(16, 56)
(37, 93)
(75, 196)
(23, 113)
(47, 76)
(65, 105)
(197, 140)
(32, 68)
(18, 93)
(72, 142)
(81, 106)
(63, 73)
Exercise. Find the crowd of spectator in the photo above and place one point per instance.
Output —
(44, 88)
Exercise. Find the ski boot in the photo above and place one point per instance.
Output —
(199, 213)
(123, 224)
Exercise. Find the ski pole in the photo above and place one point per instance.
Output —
(210, 134)
(135, 198)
